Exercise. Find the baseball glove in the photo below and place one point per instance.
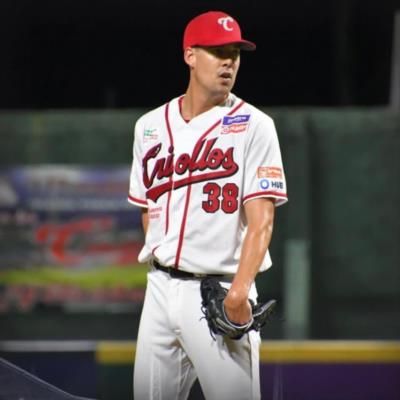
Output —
(212, 306)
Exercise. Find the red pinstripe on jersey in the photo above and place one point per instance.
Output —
(171, 143)
(187, 200)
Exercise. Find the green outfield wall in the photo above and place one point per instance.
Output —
(343, 174)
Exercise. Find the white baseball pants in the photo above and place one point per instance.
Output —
(174, 347)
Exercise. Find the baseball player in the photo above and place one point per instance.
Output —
(207, 174)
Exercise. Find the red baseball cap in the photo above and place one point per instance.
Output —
(214, 28)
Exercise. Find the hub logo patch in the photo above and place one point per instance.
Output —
(273, 184)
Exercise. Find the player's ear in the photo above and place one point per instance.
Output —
(189, 55)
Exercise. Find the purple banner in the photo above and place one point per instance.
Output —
(337, 381)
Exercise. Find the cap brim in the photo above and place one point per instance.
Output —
(243, 44)
(247, 46)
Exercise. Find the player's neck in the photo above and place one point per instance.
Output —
(196, 102)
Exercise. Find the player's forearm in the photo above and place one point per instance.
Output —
(260, 218)
(255, 245)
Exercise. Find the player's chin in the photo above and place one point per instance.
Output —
(226, 83)
(224, 88)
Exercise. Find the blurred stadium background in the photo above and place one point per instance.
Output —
(74, 78)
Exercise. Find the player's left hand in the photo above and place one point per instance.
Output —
(213, 297)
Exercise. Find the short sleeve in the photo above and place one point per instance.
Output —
(137, 191)
(264, 173)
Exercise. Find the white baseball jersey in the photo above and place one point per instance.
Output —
(194, 177)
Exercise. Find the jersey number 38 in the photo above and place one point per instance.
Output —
(224, 198)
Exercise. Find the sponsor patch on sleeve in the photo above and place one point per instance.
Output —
(271, 184)
(235, 124)
(269, 172)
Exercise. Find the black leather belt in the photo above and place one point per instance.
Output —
(178, 273)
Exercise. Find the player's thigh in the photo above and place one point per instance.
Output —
(164, 375)
(230, 370)
(227, 369)
(153, 319)
(162, 370)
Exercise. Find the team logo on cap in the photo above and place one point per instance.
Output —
(224, 21)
